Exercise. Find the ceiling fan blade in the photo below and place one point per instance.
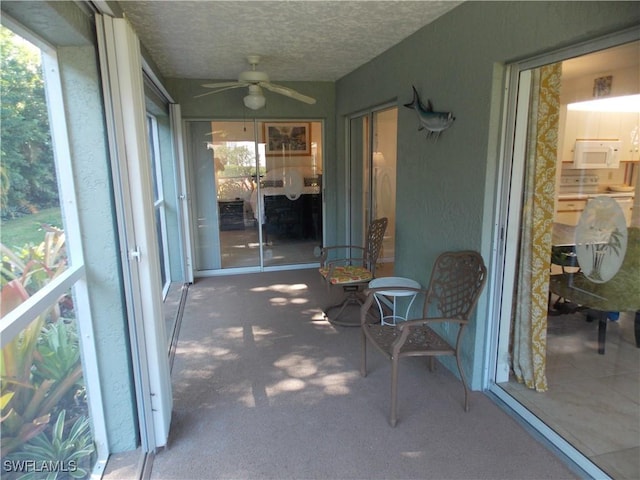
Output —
(235, 83)
(288, 92)
(229, 87)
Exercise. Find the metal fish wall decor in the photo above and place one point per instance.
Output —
(433, 122)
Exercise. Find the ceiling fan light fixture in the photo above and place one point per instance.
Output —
(254, 101)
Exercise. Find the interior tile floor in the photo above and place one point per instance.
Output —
(593, 400)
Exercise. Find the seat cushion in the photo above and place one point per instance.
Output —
(346, 274)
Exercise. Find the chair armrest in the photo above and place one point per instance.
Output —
(324, 252)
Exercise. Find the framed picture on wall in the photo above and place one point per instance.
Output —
(602, 86)
(290, 138)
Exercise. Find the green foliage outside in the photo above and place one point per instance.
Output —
(69, 450)
(43, 407)
(238, 161)
(44, 416)
(28, 229)
(27, 170)
(236, 170)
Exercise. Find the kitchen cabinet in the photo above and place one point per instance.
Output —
(630, 135)
(568, 210)
(609, 125)
(579, 125)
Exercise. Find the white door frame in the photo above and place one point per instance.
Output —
(184, 194)
(128, 142)
(159, 203)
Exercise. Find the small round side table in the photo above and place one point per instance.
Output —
(394, 295)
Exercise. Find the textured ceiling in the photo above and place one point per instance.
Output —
(297, 40)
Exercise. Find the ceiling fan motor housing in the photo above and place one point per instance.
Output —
(253, 76)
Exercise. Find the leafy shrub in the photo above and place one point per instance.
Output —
(58, 454)
(40, 369)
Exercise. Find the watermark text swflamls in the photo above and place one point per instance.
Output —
(39, 466)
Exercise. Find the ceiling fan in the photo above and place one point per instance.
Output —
(255, 81)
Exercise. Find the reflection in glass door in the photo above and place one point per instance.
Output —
(232, 147)
(373, 150)
(258, 200)
(383, 176)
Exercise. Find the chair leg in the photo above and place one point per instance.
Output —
(464, 383)
(363, 354)
(394, 391)
(352, 298)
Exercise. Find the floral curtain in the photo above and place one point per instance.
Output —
(531, 299)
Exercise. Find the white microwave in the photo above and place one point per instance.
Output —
(597, 154)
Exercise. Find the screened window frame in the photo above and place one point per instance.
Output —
(159, 204)
(74, 276)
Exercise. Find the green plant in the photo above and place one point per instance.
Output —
(58, 351)
(40, 367)
(28, 166)
(34, 266)
(51, 456)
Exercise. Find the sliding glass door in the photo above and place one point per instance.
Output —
(567, 355)
(258, 194)
(373, 153)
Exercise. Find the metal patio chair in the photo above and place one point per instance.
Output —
(353, 272)
(456, 282)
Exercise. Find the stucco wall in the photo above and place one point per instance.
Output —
(444, 199)
(92, 172)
